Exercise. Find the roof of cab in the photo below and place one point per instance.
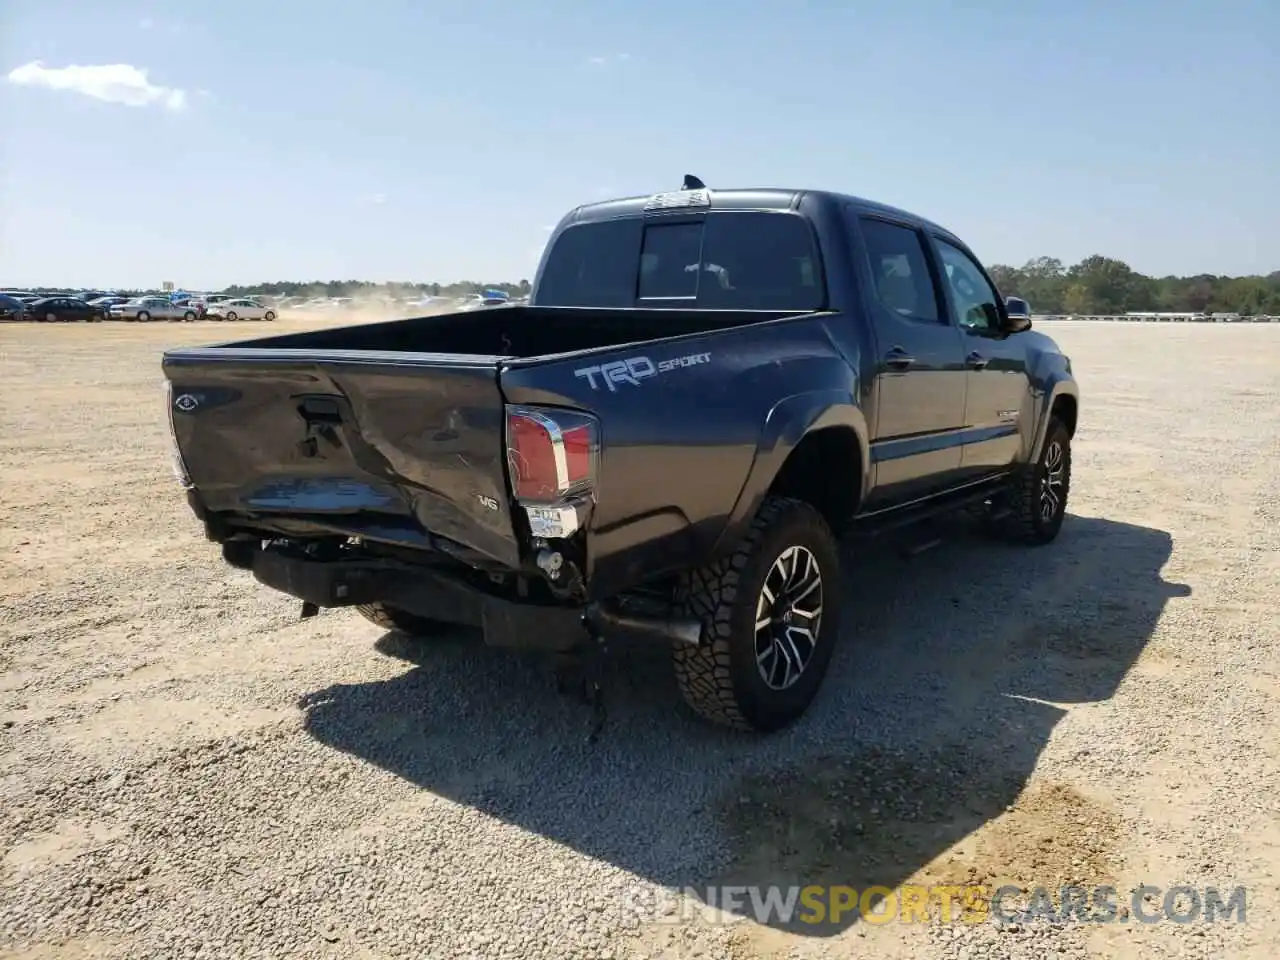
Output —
(772, 198)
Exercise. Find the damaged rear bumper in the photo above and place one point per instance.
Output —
(431, 593)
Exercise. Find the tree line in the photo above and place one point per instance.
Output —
(1101, 285)
(1095, 285)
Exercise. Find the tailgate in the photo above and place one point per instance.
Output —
(379, 444)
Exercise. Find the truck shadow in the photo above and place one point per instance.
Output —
(954, 668)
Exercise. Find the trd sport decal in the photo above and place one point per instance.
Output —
(634, 369)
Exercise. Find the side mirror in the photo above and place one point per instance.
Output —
(1018, 312)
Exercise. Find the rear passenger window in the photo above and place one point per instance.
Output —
(899, 269)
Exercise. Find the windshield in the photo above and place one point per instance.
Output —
(729, 260)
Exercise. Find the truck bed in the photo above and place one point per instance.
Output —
(514, 332)
(394, 432)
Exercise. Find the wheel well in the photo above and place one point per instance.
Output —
(1064, 408)
(824, 470)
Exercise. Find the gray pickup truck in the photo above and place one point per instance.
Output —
(706, 388)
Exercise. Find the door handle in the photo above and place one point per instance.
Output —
(976, 360)
(898, 359)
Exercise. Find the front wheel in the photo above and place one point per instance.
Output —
(143, 316)
(50, 318)
(269, 315)
(1038, 497)
(770, 618)
(231, 315)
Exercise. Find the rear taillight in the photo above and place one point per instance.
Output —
(552, 456)
(551, 453)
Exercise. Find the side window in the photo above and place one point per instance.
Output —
(974, 299)
(900, 269)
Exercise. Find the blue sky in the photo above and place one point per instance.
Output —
(389, 140)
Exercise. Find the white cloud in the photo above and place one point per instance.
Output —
(112, 82)
(606, 59)
(146, 23)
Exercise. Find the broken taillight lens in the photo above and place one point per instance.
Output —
(552, 454)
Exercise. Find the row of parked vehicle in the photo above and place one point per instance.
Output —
(93, 308)
(20, 305)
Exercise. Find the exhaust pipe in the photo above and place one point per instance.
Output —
(609, 621)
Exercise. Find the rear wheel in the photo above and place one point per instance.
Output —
(269, 315)
(143, 316)
(189, 316)
(231, 315)
(393, 618)
(770, 616)
(51, 318)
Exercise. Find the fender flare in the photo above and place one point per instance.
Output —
(1060, 385)
(786, 424)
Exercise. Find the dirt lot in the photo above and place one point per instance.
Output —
(188, 769)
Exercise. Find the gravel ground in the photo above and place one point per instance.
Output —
(189, 770)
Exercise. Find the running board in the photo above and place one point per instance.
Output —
(873, 525)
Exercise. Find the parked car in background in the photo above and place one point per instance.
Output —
(479, 301)
(244, 309)
(11, 308)
(107, 302)
(64, 310)
(144, 309)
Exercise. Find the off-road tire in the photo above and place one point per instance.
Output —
(393, 618)
(1024, 522)
(719, 678)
